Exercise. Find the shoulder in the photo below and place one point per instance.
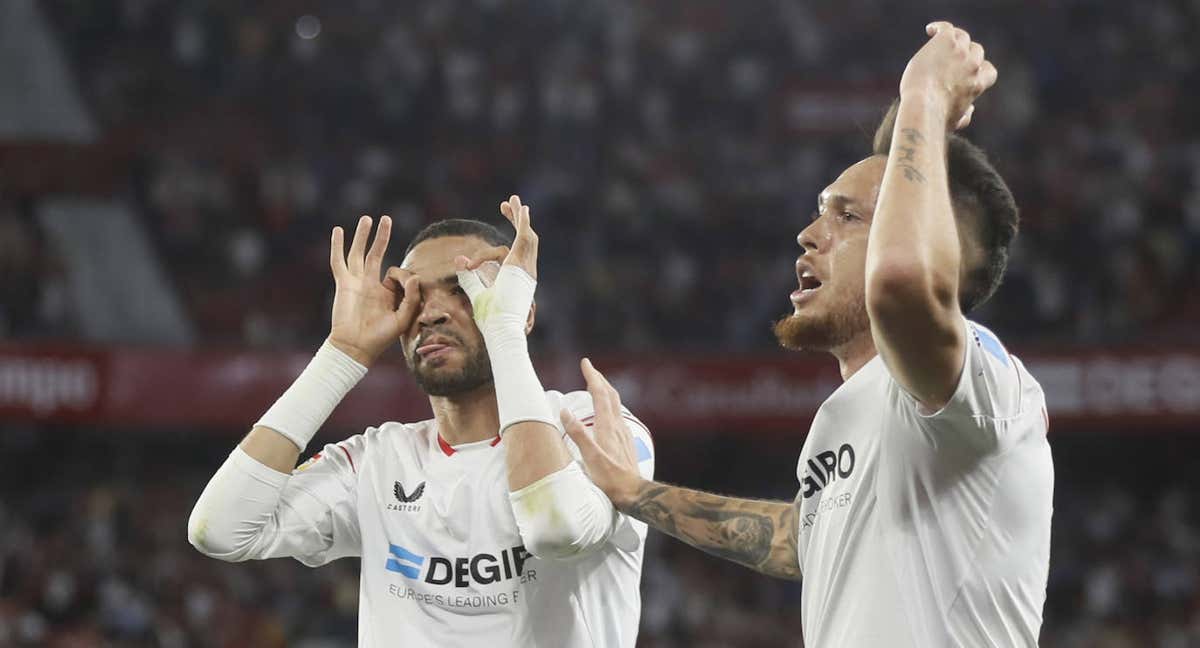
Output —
(984, 340)
(390, 438)
(579, 403)
(995, 404)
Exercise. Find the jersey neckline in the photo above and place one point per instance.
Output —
(448, 449)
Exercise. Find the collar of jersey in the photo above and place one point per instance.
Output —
(448, 449)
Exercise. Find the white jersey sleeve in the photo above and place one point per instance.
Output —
(249, 511)
(628, 533)
(987, 404)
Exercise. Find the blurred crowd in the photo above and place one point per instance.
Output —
(34, 299)
(94, 553)
(671, 150)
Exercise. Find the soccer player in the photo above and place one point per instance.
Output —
(923, 515)
(476, 527)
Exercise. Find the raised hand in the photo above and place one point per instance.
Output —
(369, 313)
(503, 298)
(608, 454)
(950, 70)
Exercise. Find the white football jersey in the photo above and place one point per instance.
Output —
(928, 529)
(442, 561)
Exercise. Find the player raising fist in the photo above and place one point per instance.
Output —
(925, 482)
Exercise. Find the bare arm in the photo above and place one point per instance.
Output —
(759, 534)
(271, 449)
(913, 251)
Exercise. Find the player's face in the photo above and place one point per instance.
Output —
(443, 347)
(829, 304)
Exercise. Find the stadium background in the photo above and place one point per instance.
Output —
(169, 172)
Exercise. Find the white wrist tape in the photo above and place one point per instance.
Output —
(303, 408)
(501, 310)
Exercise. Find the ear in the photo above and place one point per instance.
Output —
(531, 318)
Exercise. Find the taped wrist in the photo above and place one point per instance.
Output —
(501, 311)
(305, 406)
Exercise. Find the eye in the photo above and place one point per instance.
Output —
(457, 290)
(848, 216)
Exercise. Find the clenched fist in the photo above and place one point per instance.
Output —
(950, 71)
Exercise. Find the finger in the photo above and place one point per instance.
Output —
(965, 120)
(337, 255)
(961, 37)
(374, 259)
(597, 387)
(411, 304)
(468, 280)
(523, 221)
(510, 208)
(937, 27)
(608, 407)
(987, 75)
(525, 231)
(975, 54)
(357, 248)
(614, 398)
(497, 254)
(578, 433)
(395, 278)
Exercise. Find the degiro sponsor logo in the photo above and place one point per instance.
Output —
(827, 467)
(481, 569)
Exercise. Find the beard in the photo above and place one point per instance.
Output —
(475, 372)
(825, 331)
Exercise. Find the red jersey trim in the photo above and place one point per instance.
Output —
(589, 421)
(448, 449)
(348, 458)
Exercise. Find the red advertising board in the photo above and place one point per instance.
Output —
(756, 394)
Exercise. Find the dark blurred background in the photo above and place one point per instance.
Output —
(170, 171)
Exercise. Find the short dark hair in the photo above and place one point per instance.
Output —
(976, 191)
(461, 227)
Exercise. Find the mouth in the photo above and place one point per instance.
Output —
(809, 285)
(434, 348)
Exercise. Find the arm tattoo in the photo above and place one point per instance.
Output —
(911, 174)
(908, 160)
(758, 534)
(912, 136)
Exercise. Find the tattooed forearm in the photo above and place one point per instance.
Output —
(907, 160)
(911, 174)
(912, 136)
(758, 534)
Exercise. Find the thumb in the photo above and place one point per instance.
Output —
(468, 279)
(965, 120)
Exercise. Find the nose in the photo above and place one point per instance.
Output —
(433, 313)
(808, 237)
